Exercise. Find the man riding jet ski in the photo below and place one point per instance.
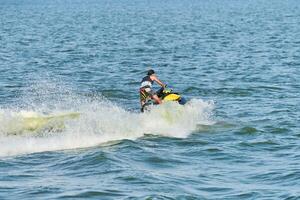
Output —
(146, 91)
(149, 97)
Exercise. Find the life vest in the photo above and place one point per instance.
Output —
(146, 82)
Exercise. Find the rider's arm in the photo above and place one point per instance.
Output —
(154, 78)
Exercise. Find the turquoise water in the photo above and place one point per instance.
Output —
(237, 62)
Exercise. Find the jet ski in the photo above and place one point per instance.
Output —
(165, 94)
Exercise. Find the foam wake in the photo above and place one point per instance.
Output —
(67, 123)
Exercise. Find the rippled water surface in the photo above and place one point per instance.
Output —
(70, 125)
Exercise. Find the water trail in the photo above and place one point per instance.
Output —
(52, 121)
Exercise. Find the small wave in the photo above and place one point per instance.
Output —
(266, 144)
(248, 130)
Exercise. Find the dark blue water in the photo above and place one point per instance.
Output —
(238, 62)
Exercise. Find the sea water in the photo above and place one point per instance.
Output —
(237, 62)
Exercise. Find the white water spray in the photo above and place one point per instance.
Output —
(98, 121)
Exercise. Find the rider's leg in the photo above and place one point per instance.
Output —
(156, 98)
(142, 103)
(143, 96)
